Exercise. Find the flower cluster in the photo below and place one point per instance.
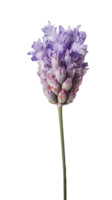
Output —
(61, 63)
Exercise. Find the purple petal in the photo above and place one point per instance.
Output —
(86, 65)
(47, 29)
(75, 55)
(86, 68)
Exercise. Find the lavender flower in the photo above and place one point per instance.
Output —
(61, 60)
(61, 57)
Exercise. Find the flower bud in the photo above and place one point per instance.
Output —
(62, 96)
(50, 95)
(71, 96)
(54, 85)
(55, 60)
(60, 74)
(50, 77)
(77, 82)
(41, 73)
(44, 83)
(71, 70)
(67, 84)
(68, 58)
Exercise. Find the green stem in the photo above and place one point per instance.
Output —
(63, 153)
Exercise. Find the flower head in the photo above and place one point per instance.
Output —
(60, 57)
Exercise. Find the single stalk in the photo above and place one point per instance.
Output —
(63, 153)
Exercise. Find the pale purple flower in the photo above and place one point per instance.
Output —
(61, 60)
(61, 67)
(48, 29)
